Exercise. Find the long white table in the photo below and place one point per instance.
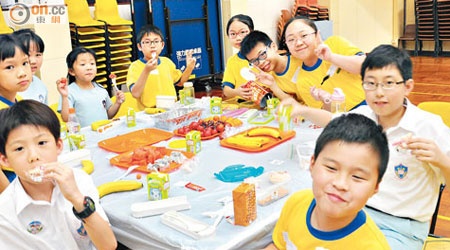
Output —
(151, 233)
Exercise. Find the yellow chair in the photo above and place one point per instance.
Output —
(79, 14)
(439, 108)
(4, 29)
(130, 102)
(54, 107)
(107, 10)
(432, 243)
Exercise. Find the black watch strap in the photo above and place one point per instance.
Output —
(89, 208)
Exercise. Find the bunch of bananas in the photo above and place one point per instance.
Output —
(118, 186)
(246, 141)
(265, 131)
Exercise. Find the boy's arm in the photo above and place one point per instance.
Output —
(96, 227)
(319, 117)
(120, 98)
(245, 93)
(268, 80)
(63, 89)
(190, 65)
(4, 182)
(271, 246)
(139, 85)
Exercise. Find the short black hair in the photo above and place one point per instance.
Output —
(243, 19)
(387, 55)
(8, 45)
(356, 128)
(72, 57)
(147, 29)
(26, 36)
(305, 20)
(27, 112)
(252, 39)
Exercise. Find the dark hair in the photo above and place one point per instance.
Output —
(72, 57)
(147, 29)
(305, 20)
(252, 39)
(26, 36)
(27, 112)
(388, 55)
(356, 128)
(8, 45)
(243, 19)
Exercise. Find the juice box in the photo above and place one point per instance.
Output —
(77, 141)
(131, 117)
(272, 104)
(284, 116)
(193, 142)
(158, 186)
(216, 105)
(182, 96)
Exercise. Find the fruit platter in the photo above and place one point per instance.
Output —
(209, 128)
(149, 158)
(257, 139)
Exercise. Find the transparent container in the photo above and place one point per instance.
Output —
(338, 101)
(73, 124)
(177, 118)
(271, 186)
(189, 93)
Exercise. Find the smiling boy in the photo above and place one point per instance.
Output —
(330, 216)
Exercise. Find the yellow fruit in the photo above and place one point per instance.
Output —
(88, 166)
(249, 142)
(97, 124)
(259, 139)
(273, 132)
(118, 186)
(154, 110)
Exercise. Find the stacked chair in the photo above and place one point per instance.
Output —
(4, 29)
(443, 20)
(108, 35)
(310, 9)
(425, 22)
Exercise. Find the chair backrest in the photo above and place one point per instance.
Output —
(410, 31)
(54, 107)
(4, 29)
(78, 11)
(439, 108)
(105, 9)
(130, 102)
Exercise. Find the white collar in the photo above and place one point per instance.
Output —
(22, 199)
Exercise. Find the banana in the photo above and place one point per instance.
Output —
(118, 186)
(154, 110)
(88, 166)
(248, 142)
(260, 139)
(97, 124)
(273, 132)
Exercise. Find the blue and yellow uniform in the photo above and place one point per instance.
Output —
(293, 232)
(159, 82)
(287, 80)
(326, 76)
(232, 76)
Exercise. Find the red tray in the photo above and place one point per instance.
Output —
(130, 141)
(272, 143)
(143, 168)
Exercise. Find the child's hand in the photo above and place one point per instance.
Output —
(62, 87)
(323, 51)
(427, 151)
(151, 64)
(63, 176)
(297, 108)
(190, 61)
(120, 97)
(320, 95)
(264, 78)
(243, 92)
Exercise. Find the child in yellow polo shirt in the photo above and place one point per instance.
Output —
(153, 75)
(15, 76)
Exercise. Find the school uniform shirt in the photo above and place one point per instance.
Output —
(287, 80)
(29, 224)
(5, 103)
(410, 187)
(160, 81)
(294, 230)
(327, 76)
(232, 77)
(90, 104)
(36, 91)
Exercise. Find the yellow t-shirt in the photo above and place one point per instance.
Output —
(351, 84)
(159, 82)
(287, 80)
(5, 103)
(294, 229)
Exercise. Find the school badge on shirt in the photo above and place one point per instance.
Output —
(82, 231)
(35, 227)
(401, 171)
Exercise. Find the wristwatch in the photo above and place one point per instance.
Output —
(89, 208)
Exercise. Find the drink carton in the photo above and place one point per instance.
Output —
(216, 105)
(158, 186)
(193, 142)
(131, 117)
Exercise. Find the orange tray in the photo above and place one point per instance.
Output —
(272, 143)
(143, 168)
(130, 141)
(175, 132)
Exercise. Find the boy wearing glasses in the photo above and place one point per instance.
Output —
(153, 75)
(261, 52)
(419, 143)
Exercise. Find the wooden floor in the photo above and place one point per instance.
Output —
(432, 78)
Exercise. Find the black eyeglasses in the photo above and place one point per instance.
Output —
(260, 58)
(148, 42)
(368, 85)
